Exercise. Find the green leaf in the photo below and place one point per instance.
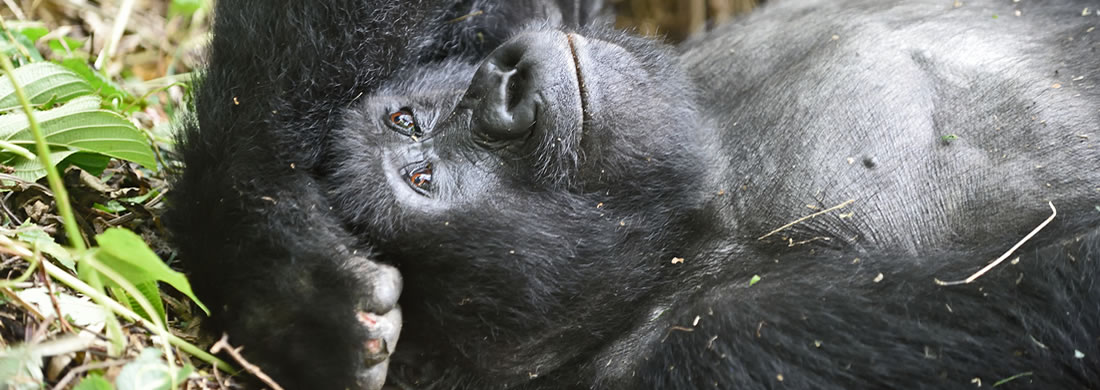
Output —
(34, 31)
(21, 368)
(184, 7)
(755, 279)
(32, 170)
(107, 88)
(12, 50)
(43, 82)
(140, 198)
(112, 207)
(73, 44)
(38, 238)
(151, 292)
(127, 254)
(90, 162)
(150, 372)
(81, 125)
(94, 382)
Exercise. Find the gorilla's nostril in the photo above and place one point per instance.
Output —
(504, 108)
(508, 58)
(515, 91)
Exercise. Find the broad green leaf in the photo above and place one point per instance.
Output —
(81, 125)
(127, 254)
(43, 82)
(94, 382)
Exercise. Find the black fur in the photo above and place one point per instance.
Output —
(255, 230)
(611, 242)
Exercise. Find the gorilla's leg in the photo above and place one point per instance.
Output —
(843, 320)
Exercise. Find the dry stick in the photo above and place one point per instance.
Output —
(976, 275)
(53, 297)
(803, 219)
(19, 301)
(87, 367)
(223, 343)
(122, 18)
(16, 11)
(466, 16)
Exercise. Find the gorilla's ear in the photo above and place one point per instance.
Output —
(582, 12)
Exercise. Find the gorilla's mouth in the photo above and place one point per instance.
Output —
(580, 82)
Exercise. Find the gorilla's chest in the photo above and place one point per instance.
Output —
(932, 138)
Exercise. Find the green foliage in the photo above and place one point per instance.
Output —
(94, 382)
(21, 368)
(71, 114)
(79, 125)
(21, 51)
(44, 82)
(38, 239)
(125, 253)
(150, 372)
(116, 96)
(185, 7)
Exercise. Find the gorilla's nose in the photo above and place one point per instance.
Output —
(506, 88)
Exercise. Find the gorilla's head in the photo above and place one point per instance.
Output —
(534, 168)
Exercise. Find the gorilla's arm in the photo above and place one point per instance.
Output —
(255, 232)
(845, 320)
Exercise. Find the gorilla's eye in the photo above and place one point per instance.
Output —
(421, 178)
(405, 123)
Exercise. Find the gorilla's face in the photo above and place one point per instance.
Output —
(601, 117)
(558, 148)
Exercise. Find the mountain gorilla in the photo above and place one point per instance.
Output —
(774, 203)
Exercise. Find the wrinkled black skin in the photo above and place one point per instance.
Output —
(255, 232)
(543, 263)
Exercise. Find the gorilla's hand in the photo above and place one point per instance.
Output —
(380, 318)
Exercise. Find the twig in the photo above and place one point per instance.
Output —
(999, 260)
(466, 16)
(803, 219)
(235, 353)
(26, 306)
(87, 367)
(53, 298)
(15, 10)
(121, 19)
